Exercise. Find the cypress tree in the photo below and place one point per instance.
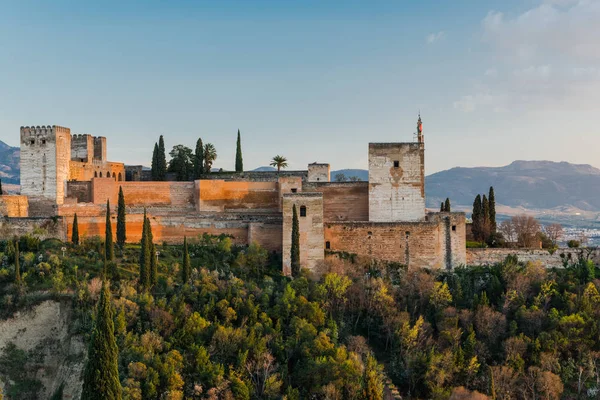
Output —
(186, 266)
(199, 159)
(144, 255)
(109, 248)
(443, 207)
(485, 217)
(477, 218)
(101, 376)
(447, 205)
(161, 160)
(295, 256)
(17, 263)
(75, 232)
(121, 225)
(239, 163)
(492, 201)
(154, 166)
(152, 252)
(1, 187)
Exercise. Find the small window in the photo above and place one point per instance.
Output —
(294, 190)
(327, 245)
(454, 228)
(407, 233)
(95, 174)
(32, 141)
(396, 164)
(303, 211)
(100, 174)
(369, 233)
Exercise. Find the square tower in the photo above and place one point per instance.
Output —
(319, 172)
(396, 182)
(45, 161)
(100, 148)
(82, 148)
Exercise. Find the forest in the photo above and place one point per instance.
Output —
(218, 321)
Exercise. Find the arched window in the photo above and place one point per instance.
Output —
(108, 174)
(303, 211)
(100, 174)
(95, 174)
(120, 177)
(114, 176)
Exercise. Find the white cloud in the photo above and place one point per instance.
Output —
(435, 37)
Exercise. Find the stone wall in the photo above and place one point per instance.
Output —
(82, 148)
(319, 172)
(254, 176)
(100, 148)
(86, 171)
(396, 182)
(43, 228)
(14, 206)
(80, 191)
(343, 201)
(494, 256)
(311, 229)
(223, 196)
(176, 194)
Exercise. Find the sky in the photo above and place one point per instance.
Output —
(312, 80)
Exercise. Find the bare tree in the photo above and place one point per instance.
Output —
(554, 232)
(527, 230)
(507, 229)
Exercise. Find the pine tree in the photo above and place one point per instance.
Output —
(477, 218)
(144, 255)
(161, 160)
(101, 376)
(186, 267)
(109, 248)
(121, 224)
(199, 159)
(492, 201)
(239, 163)
(75, 231)
(485, 217)
(447, 205)
(17, 263)
(295, 256)
(154, 166)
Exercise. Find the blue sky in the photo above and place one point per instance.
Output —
(315, 80)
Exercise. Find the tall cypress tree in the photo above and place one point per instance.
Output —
(186, 265)
(199, 159)
(154, 166)
(152, 252)
(477, 218)
(485, 217)
(17, 263)
(109, 248)
(161, 160)
(492, 201)
(75, 231)
(144, 255)
(1, 187)
(295, 256)
(121, 225)
(442, 207)
(101, 376)
(447, 205)
(239, 163)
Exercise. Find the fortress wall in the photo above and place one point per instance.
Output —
(412, 244)
(80, 191)
(86, 171)
(268, 235)
(222, 196)
(14, 206)
(42, 227)
(343, 201)
(288, 184)
(255, 176)
(494, 256)
(178, 195)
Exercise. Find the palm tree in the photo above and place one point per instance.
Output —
(210, 155)
(279, 162)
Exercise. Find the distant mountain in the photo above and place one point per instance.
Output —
(534, 185)
(362, 174)
(9, 163)
(264, 169)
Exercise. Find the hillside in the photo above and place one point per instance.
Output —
(9, 163)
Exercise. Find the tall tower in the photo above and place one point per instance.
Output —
(45, 159)
(397, 180)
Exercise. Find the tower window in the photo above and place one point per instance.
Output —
(327, 245)
(454, 228)
(407, 233)
(294, 190)
(303, 211)
(396, 164)
(43, 141)
(32, 141)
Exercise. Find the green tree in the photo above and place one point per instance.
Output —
(153, 276)
(121, 224)
(186, 267)
(17, 263)
(492, 201)
(109, 248)
(210, 156)
(295, 256)
(161, 160)
(144, 255)
(154, 166)
(181, 162)
(279, 162)
(199, 159)
(1, 192)
(485, 218)
(101, 376)
(239, 163)
(373, 382)
(477, 218)
(442, 207)
(447, 205)
(75, 231)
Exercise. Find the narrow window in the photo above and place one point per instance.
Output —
(294, 190)
(32, 141)
(396, 164)
(43, 141)
(303, 211)
(454, 228)
(114, 176)
(95, 174)
(327, 245)
(369, 233)
(100, 174)
(407, 233)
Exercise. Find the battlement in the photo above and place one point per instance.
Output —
(44, 130)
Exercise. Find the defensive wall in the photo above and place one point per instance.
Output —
(41, 227)
(550, 260)
(14, 206)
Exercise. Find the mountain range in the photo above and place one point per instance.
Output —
(9, 163)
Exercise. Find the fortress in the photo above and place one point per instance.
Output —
(384, 219)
